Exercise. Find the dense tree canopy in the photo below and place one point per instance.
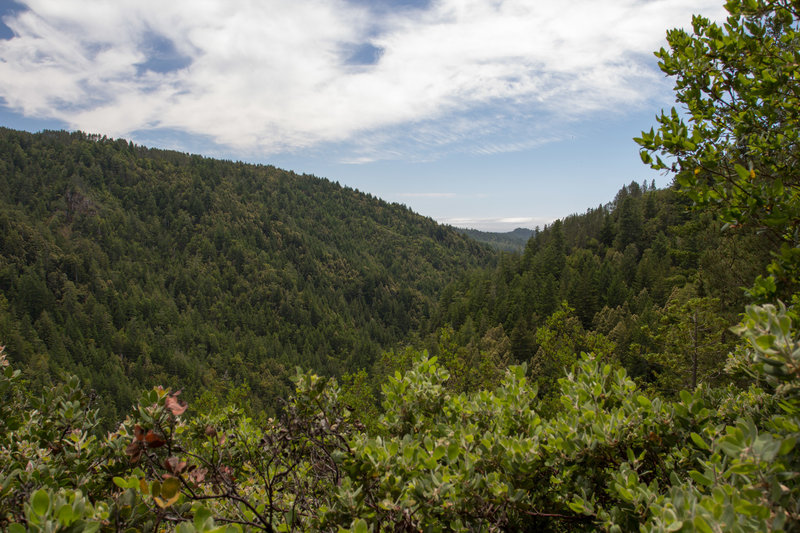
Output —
(620, 268)
(132, 267)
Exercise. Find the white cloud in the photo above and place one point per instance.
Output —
(518, 220)
(272, 76)
(500, 224)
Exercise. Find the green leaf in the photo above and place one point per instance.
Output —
(751, 509)
(170, 487)
(765, 342)
(700, 478)
(743, 172)
(685, 396)
(40, 501)
(453, 451)
(787, 445)
(65, 515)
(360, 526)
(185, 527)
(701, 525)
(202, 518)
(730, 448)
(674, 526)
(624, 492)
(699, 442)
(438, 453)
(743, 468)
(408, 453)
(577, 507)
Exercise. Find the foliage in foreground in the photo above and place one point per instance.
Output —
(611, 459)
(734, 145)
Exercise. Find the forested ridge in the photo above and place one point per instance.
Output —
(510, 241)
(636, 367)
(630, 270)
(132, 267)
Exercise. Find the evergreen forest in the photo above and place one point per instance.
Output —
(131, 267)
(197, 345)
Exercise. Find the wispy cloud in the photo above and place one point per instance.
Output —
(274, 76)
(499, 224)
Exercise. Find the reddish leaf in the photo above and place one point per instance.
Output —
(227, 473)
(134, 451)
(153, 440)
(175, 406)
(174, 465)
(138, 432)
(197, 476)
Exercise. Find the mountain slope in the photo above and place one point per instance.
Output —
(132, 266)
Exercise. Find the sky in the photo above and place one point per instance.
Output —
(489, 114)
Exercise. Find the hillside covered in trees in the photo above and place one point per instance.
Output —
(637, 367)
(132, 267)
(631, 271)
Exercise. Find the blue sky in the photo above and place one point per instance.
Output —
(490, 114)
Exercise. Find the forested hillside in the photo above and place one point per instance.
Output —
(132, 267)
(632, 270)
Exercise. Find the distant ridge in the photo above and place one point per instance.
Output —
(512, 241)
